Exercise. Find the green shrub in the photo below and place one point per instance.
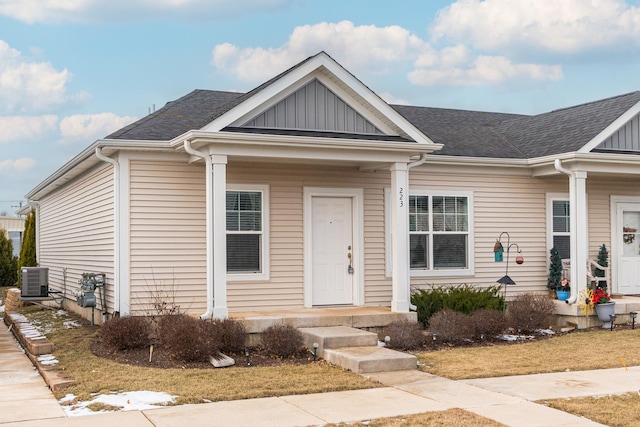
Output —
(230, 334)
(8, 262)
(126, 332)
(488, 323)
(187, 338)
(28, 250)
(463, 298)
(528, 312)
(282, 340)
(453, 326)
(405, 335)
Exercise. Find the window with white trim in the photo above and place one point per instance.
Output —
(440, 233)
(247, 216)
(561, 227)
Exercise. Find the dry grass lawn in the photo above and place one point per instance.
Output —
(449, 418)
(594, 349)
(577, 351)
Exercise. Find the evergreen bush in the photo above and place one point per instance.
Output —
(463, 298)
(603, 260)
(28, 249)
(555, 270)
(8, 262)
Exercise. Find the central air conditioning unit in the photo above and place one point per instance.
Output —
(35, 282)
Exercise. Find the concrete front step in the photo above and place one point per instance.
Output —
(363, 360)
(337, 337)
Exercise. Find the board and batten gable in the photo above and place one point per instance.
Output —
(627, 138)
(76, 232)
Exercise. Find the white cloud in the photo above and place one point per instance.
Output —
(361, 49)
(89, 127)
(557, 26)
(16, 128)
(19, 165)
(480, 71)
(26, 85)
(389, 98)
(32, 11)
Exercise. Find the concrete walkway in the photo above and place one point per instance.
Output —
(25, 401)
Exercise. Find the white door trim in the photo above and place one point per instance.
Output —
(613, 244)
(357, 211)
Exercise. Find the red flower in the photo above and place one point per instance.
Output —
(599, 296)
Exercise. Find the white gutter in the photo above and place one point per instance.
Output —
(573, 223)
(116, 228)
(209, 225)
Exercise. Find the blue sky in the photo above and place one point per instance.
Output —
(73, 71)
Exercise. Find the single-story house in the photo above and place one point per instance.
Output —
(311, 191)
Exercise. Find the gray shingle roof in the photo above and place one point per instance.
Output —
(463, 133)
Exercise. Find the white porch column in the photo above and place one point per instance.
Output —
(579, 238)
(400, 291)
(219, 236)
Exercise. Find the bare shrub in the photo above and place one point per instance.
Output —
(488, 323)
(451, 325)
(230, 335)
(126, 332)
(405, 335)
(282, 340)
(528, 312)
(187, 338)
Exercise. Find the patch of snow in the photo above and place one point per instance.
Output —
(48, 360)
(545, 332)
(2, 308)
(507, 337)
(70, 324)
(69, 397)
(127, 401)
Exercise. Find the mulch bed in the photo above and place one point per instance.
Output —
(162, 359)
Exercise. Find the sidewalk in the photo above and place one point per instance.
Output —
(25, 401)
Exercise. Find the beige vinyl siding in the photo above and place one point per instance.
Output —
(599, 191)
(167, 235)
(168, 246)
(515, 204)
(286, 183)
(76, 226)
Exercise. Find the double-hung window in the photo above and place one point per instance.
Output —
(440, 233)
(247, 222)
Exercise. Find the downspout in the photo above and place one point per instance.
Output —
(116, 229)
(209, 225)
(423, 159)
(572, 244)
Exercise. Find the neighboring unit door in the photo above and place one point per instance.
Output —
(628, 243)
(332, 243)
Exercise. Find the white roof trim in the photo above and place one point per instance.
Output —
(609, 130)
(301, 72)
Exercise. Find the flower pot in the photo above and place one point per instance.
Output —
(562, 295)
(604, 312)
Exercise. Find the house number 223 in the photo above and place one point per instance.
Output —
(401, 196)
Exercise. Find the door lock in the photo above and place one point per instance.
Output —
(350, 268)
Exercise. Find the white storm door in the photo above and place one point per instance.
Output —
(628, 244)
(332, 244)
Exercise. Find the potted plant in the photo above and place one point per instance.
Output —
(601, 300)
(563, 290)
(554, 279)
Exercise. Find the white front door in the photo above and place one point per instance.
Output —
(628, 245)
(332, 250)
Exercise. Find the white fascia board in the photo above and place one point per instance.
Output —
(86, 159)
(291, 78)
(201, 138)
(609, 130)
(607, 163)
